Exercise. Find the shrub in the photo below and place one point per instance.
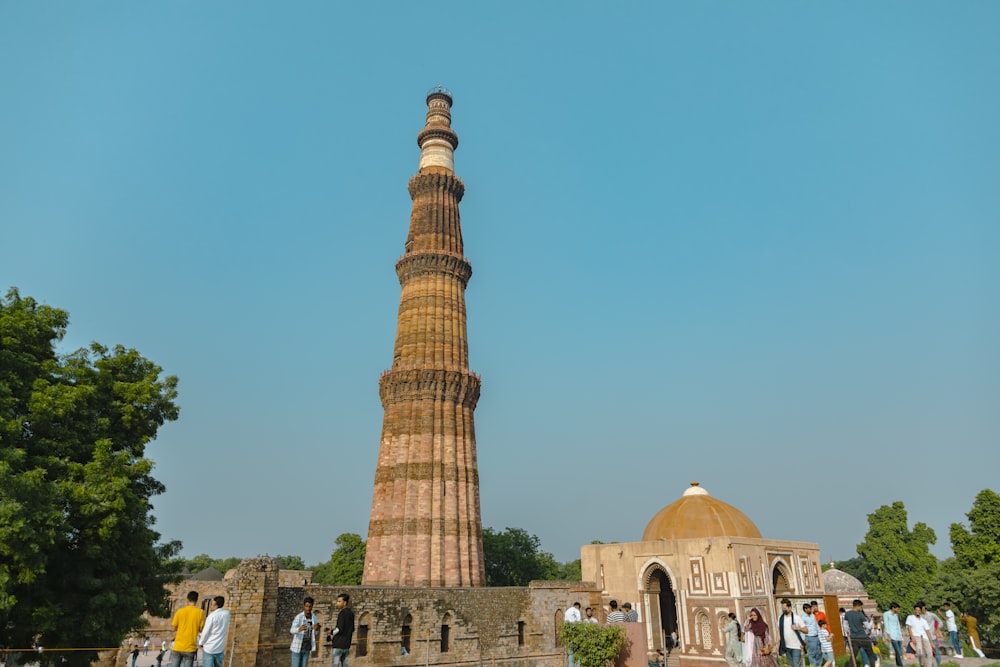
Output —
(594, 645)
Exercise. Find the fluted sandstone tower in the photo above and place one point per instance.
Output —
(425, 527)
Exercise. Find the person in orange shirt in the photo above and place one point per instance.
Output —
(818, 612)
(970, 627)
(187, 623)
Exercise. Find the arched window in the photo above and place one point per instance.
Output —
(361, 638)
(405, 648)
(445, 633)
(704, 625)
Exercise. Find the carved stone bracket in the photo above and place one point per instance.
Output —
(445, 133)
(462, 387)
(436, 263)
(430, 182)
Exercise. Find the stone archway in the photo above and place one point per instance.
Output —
(661, 608)
(781, 580)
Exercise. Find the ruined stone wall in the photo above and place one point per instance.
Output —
(512, 627)
(442, 626)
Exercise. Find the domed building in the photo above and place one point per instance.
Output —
(847, 588)
(699, 559)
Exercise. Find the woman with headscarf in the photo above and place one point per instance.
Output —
(734, 640)
(759, 652)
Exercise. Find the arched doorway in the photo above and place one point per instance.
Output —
(661, 604)
(780, 580)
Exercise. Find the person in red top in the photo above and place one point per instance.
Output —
(819, 613)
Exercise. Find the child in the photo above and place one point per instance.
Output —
(825, 645)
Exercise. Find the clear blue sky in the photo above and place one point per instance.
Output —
(752, 244)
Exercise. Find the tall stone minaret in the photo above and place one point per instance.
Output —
(425, 527)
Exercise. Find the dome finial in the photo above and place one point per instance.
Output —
(695, 490)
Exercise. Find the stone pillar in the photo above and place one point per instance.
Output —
(425, 527)
(253, 602)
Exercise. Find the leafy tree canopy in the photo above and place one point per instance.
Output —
(897, 562)
(974, 580)
(204, 561)
(346, 564)
(852, 566)
(79, 559)
(513, 557)
(981, 544)
(291, 562)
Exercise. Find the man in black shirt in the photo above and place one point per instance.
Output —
(343, 631)
(857, 634)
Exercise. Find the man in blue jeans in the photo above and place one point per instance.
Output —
(949, 620)
(212, 639)
(304, 631)
(790, 639)
(343, 631)
(811, 624)
(894, 631)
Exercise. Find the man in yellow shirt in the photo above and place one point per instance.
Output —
(187, 623)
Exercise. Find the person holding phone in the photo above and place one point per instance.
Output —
(305, 627)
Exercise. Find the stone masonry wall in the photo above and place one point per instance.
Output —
(509, 627)
(515, 627)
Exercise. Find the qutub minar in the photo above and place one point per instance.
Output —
(423, 598)
(425, 527)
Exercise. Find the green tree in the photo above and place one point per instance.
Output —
(346, 564)
(291, 562)
(948, 585)
(898, 564)
(980, 545)
(977, 555)
(204, 561)
(79, 559)
(513, 557)
(571, 571)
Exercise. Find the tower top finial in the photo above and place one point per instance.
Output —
(437, 140)
(440, 90)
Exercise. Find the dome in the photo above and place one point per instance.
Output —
(208, 574)
(697, 514)
(837, 581)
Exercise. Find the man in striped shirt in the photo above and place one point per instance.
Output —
(616, 615)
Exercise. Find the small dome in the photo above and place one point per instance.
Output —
(837, 581)
(208, 574)
(697, 514)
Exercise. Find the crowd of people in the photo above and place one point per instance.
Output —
(924, 635)
(807, 636)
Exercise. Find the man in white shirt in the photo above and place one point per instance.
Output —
(789, 635)
(212, 639)
(935, 625)
(919, 633)
(572, 615)
(590, 618)
(952, 625)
